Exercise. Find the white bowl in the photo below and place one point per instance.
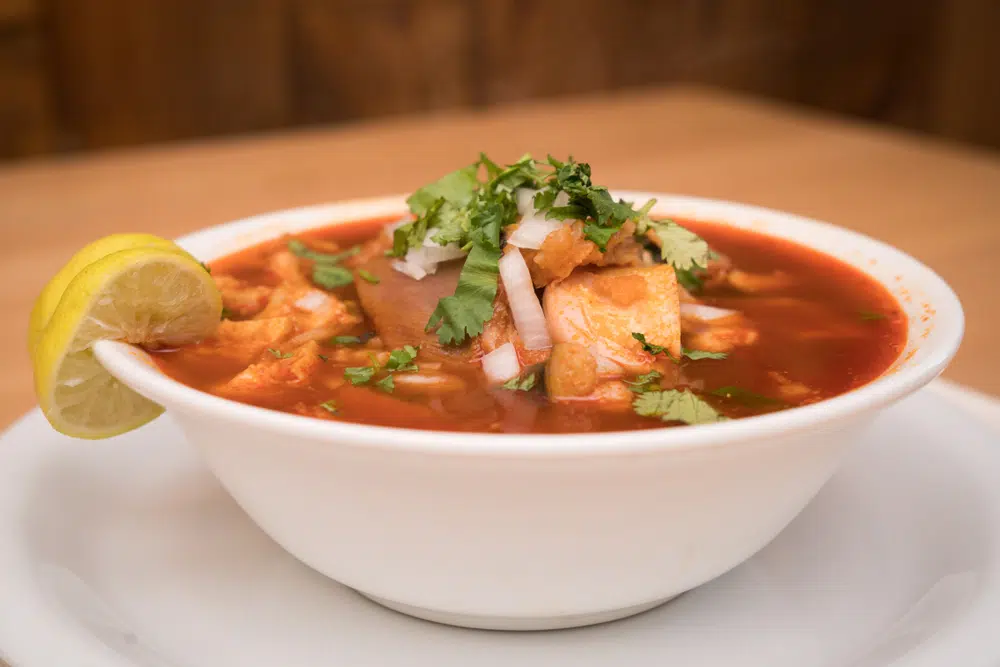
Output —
(541, 531)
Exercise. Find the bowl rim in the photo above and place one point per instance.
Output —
(133, 367)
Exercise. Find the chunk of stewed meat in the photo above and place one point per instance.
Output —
(602, 309)
(571, 371)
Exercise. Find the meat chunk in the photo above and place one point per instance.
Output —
(272, 375)
(755, 283)
(241, 298)
(791, 390)
(315, 410)
(288, 268)
(315, 313)
(585, 309)
(716, 331)
(567, 248)
(571, 371)
(720, 337)
(400, 307)
(236, 344)
(247, 339)
(609, 396)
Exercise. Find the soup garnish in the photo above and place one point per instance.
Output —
(524, 298)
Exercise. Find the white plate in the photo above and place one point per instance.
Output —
(127, 553)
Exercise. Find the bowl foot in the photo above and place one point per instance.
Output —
(516, 622)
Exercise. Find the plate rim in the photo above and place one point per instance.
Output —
(28, 643)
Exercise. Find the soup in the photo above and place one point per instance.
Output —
(525, 300)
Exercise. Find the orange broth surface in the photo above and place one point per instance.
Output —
(834, 329)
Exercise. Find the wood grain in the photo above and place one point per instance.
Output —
(85, 75)
(27, 124)
(938, 202)
(966, 97)
(133, 71)
(355, 59)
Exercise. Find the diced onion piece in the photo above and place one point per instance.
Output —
(419, 262)
(412, 270)
(706, 313)
(525, 201)
(435, 254)
(501, 364)
(606, 367)
(312, 300)
(531, 232)
(524, 305)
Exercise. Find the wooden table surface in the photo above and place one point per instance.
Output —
(939, 202)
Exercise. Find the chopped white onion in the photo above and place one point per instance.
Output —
(312, 300)
(529, 319)
(419, 262)
(412, 270)
(562, 199)
(706, 313)
(432, 252)
(525, 201)
(531, 232)
(606, 367)
(501, 364)
(431, 255)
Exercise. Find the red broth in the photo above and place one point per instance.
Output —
(832, 329)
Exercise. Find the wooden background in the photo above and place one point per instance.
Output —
(88, 74)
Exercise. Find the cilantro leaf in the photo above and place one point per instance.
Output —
(599, 235)
(440, 206)
(746, 397)
(650, 347)
(463, 314)
(359, 374)
(450, 224)
(645, 382)
(205, 266)
(412, 234)
(694, 355)
(603, 216)
(300, 249)
(331, 276)
(679, 246)
(676, 405)
(457, 188)
(226, 314)
(401, 359)
(369, 277)
(526, 383)
(345, 340)
(689, 280)
(326, 270)
(329, 406)
(521, 174)
(278, 354)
